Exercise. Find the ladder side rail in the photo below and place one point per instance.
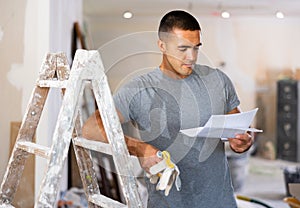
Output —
(18, 157)
(61, 141)
(87, 173)
(85, 165)
(115, 137)
(27, 130)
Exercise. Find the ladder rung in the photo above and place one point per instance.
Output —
(93, 145)
(34, 148)
(52, 83)
(105, 202)
(6, 206)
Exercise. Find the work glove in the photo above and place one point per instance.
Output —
(165, 173)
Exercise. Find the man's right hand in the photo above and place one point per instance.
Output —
(165, 173)
(146, 153)
(149, 160)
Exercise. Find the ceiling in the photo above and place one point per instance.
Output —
(150, 8)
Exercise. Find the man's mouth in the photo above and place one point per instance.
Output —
(188, 65)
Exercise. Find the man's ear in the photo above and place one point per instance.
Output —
(162, 46)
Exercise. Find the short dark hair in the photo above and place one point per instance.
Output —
(177, 19)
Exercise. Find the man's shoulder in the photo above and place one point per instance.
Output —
(143, 79)
(148, 75)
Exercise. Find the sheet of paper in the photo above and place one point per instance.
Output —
(224, 126)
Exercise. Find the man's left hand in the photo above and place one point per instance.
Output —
(241, 143)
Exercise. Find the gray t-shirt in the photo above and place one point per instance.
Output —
(161, 107)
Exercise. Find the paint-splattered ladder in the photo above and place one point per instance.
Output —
(87, 67)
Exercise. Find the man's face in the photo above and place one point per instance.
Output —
(180, 50)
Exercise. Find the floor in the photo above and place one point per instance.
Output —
(265, 182)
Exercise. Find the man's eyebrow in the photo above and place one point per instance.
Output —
(186, 46)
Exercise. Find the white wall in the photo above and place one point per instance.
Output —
(28, 31)
(11, 55)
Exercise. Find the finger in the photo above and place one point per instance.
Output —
(242, 136)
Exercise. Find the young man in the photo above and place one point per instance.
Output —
(176, 95)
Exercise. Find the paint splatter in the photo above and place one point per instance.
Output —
(1, 33)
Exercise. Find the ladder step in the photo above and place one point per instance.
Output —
(52, 83)
(34, 148)
(105, 202)
(93, 145)
(6, 206)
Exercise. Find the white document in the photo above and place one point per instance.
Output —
(224, 126)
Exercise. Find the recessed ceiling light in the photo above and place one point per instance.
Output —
(127, 15)
(279, 15)
(225, 14)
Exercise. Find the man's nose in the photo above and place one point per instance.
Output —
(191, 55)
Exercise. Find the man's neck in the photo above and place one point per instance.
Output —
(170, 73)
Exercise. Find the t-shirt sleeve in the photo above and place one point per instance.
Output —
(124, 99)
(232, 100)
(120, 105)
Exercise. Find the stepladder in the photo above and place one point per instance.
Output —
(87, 68)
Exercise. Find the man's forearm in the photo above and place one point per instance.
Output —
(139, 148)
(93, 129)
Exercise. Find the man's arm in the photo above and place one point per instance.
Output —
(242, 142)
(93, 129)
